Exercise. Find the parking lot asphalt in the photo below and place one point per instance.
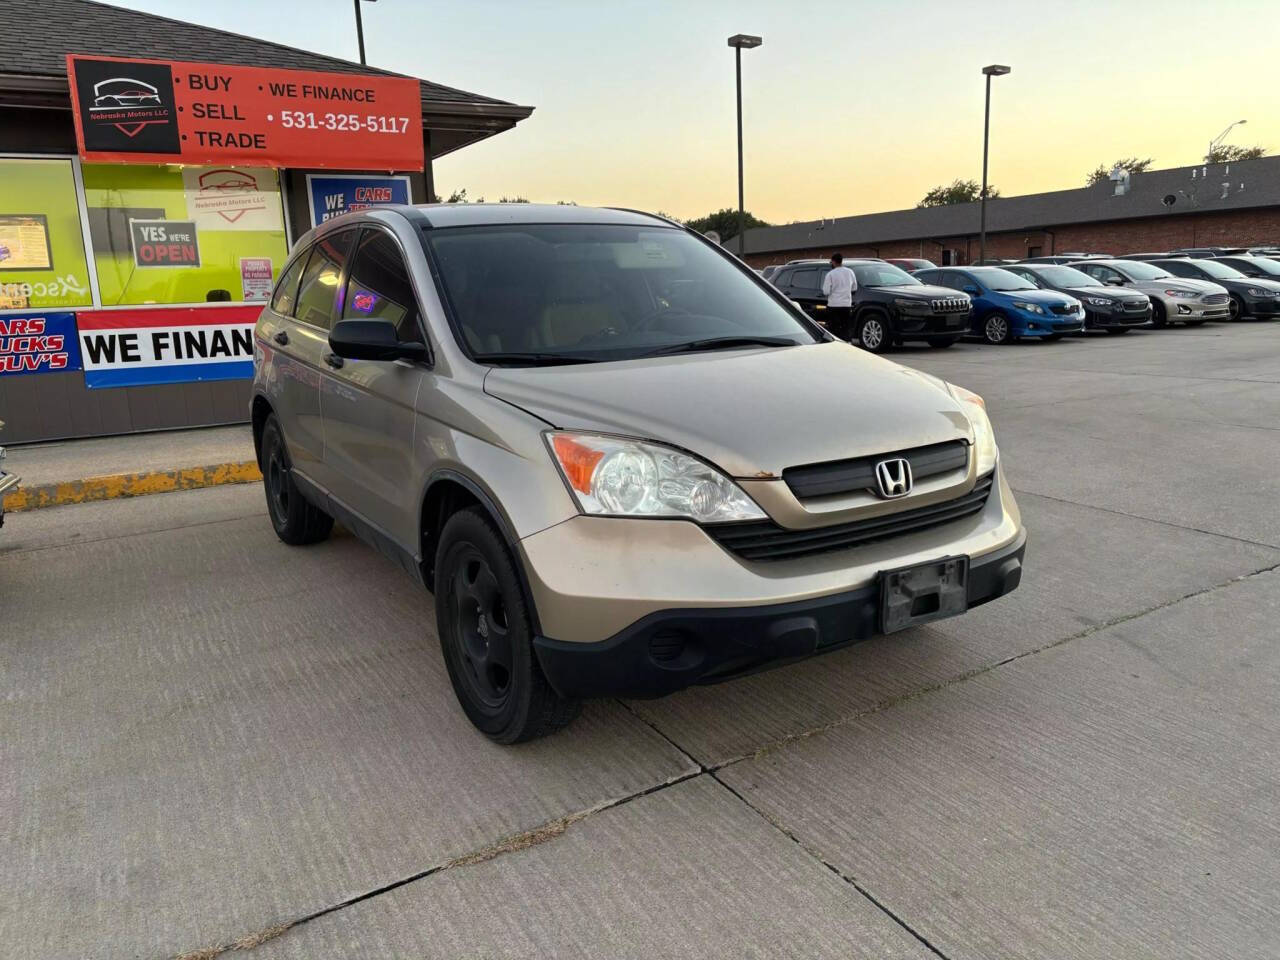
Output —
(213, 741)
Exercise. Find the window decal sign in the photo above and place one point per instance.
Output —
(223, 198)
(158, 111)
(255, 278)
(330, 196)
(164, 243)
(24, 242)
(133, 348)
(38, 343)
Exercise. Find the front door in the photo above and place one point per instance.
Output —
(368, 405)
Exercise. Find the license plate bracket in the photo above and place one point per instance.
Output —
(910, 596)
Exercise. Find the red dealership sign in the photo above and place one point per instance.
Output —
(161, 111)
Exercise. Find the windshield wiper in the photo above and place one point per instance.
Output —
(721, 343)
(533, 359)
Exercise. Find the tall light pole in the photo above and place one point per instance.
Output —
(1214, 143)
(739, 42)
(360, 29)
(994, 70)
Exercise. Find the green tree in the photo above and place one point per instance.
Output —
(724, 222)
(958, 191)
(1229, 153)
(1132, 164)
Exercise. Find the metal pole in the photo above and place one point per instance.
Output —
(359, 32)
(986, 130)
(742, 217)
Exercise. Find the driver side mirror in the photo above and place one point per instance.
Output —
(1114, 282)
(372, 340)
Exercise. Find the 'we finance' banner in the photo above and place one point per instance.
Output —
(133, 348)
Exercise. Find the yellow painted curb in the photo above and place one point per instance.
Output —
(131, 485)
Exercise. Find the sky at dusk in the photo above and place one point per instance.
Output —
(849, 107)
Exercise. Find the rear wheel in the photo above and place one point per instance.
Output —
(486, 635)
(296, 521)
(995, 328)
(872, 334)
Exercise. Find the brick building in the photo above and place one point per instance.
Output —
(1233, 204)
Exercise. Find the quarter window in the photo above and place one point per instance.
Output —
(379, 287)
(286, 295)
(320, 280)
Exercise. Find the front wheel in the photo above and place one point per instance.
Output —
(296, 521)
(1236, 307)
(872, 334)
(1158, 318)
(995, 329)
(486, 636)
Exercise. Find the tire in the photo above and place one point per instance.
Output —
(872, 333)
(1237, 308)
(1116, 331)
(941, 342)
(1158, 318)
(296, 521)
(995, 328)
(486, 635)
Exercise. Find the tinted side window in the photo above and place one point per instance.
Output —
(378, 287)
(782, 278)
(806, 279)
(1181, 269)
(949, 278)
(321, 278)
(286, 294)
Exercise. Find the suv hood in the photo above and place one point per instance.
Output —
(751, 412)
(926, 291)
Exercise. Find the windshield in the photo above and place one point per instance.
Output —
(1137, 270)
(997, 279)
(1219, 271)
(1067, 277)
(580, 292)
(882, 275)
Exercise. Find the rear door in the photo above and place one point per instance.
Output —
(368, 405)
(806, 289)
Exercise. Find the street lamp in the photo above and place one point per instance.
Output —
(740, 42)
(994, 70)
(360, 29)
(1213, 144)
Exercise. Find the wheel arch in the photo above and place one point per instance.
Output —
(259, 410)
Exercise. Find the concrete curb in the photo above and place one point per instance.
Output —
(120, 485)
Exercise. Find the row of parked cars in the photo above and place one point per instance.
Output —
(899, 300)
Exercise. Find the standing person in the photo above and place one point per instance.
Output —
(838, 286)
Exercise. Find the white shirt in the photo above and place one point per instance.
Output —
(838, 286)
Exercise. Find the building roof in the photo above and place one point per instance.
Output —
(36, 36)
(1249, 183)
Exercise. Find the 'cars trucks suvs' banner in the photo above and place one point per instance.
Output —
(38, 343)
(132, 348)
(161, 111)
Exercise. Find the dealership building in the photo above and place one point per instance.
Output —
(153, 176)
(1236, 204)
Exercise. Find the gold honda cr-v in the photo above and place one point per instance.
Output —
(622, 461)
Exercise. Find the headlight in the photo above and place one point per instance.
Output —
(912, 306)
(1100, 301)
(613, 476)
(1182, 294)
(1029, 307)
(1255, 292)
(984, 438)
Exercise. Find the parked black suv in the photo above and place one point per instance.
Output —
(1105, 308)
(890, 306)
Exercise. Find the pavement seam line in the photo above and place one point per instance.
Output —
(851, 881)
(773, 745)
(511, 844)
(1136, 516)
(120, 485)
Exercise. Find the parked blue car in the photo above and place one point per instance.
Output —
(1006, 306)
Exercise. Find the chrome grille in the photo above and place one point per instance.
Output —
(1133, 306)
(764, 540)
(951, 305)
(1216, 297)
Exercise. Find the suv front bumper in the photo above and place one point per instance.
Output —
(644, 607)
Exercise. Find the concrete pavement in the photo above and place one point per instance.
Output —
(213, 740)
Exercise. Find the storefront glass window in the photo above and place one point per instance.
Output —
(171, 234)
(42, 256)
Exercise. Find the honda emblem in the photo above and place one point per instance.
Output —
(894, 478)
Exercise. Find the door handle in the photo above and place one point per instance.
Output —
(333, 360)
(281, 338)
